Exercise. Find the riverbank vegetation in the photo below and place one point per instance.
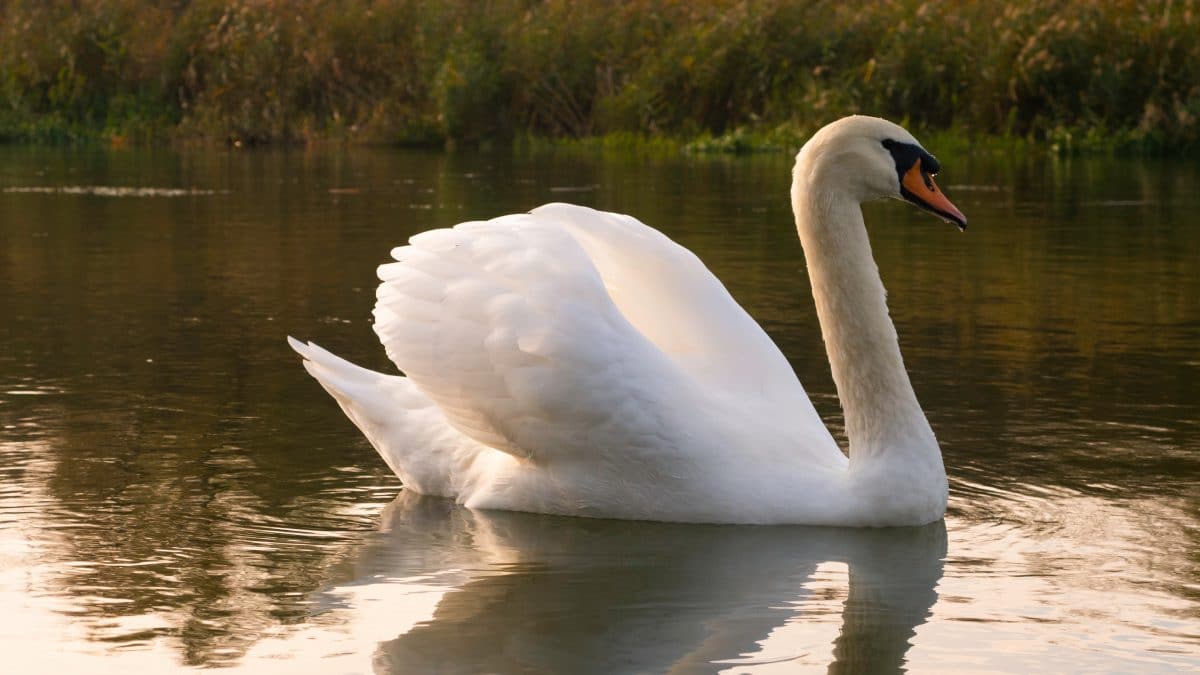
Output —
(720, 75)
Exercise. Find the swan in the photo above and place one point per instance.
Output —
(577, 362)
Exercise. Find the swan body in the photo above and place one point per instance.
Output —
(578, 362)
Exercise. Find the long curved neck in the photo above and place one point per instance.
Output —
(881, 410)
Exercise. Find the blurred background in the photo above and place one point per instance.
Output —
(721, 74)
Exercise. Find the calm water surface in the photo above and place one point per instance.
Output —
(175, 492)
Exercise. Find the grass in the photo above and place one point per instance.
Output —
(716, 76)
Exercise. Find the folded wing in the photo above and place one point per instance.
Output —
(569, 331)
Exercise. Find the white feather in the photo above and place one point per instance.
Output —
(579, 362)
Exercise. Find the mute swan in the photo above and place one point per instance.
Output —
(577, 362)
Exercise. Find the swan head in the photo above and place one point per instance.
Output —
(873, 158)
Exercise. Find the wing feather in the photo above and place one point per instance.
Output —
(507, 327)
(668, 293)
(568, 332)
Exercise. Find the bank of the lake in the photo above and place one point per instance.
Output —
(725, 75)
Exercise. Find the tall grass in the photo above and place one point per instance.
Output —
(1109, 73)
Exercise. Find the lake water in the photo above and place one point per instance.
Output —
(176, 492)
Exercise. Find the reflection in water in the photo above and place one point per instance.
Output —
(175, 492)
(530, 593)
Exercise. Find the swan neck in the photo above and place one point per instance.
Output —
(881, 411)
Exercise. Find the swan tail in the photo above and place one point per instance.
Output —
(402, 424)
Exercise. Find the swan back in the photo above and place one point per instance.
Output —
(667, 293)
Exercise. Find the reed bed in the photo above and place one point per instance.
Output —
(721, 74)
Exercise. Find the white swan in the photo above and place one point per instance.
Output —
(577, 362)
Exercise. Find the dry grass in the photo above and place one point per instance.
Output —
(1107, 73)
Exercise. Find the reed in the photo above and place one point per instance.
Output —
(724, 75)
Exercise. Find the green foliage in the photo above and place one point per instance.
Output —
(732, 74)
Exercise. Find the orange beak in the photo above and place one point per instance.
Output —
(918, 187)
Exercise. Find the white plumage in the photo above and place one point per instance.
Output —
(578, 362)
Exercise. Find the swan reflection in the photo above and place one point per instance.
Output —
(531, 593)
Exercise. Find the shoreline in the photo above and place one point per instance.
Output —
(781, 140)
(724, 77)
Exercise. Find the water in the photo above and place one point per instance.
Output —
(176, 492)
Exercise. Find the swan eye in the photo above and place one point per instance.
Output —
(906, 155)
